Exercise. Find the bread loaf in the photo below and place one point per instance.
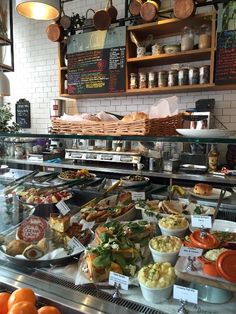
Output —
(135, 116)
(202, 189)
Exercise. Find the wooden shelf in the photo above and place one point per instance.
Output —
(151, 91)
(63, 68)
(183, 56)
(164, 28)
(168, 89)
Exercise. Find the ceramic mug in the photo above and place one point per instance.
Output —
(140, 166)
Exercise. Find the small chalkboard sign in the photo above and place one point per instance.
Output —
(23, 113)
(225, 67)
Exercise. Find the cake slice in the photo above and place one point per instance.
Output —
(59, 223)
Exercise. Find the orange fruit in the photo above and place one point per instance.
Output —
(23, 307)
(4, 296)
(21, 294)
(48, 310)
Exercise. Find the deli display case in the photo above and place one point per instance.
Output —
(80, 233)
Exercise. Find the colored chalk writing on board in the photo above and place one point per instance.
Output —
(96, 62)
(225, 67)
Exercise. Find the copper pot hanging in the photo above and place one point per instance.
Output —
(184, 8)
(149, 10)
(102, 19)
(135, 7)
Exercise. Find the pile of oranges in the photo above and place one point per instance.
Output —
(23, 301)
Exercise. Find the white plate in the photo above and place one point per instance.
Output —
(220, 225)
(214, 195)
(204, 133)
(224, 225)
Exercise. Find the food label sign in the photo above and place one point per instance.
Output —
(225, 68)
(96, 62)
(23, 113)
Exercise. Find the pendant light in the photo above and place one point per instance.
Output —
(39, 9)
(4, 85)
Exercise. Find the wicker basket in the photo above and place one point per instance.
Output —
(157, 127)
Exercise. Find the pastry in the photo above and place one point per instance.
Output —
(58, 222)
(135, 116)
(16, 247)
(43, 245)
(33, 252)
(202, 189)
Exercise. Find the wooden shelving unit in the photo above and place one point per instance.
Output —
(167, 58)
(161, 29)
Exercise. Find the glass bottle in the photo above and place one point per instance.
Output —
(204, 39)
(213, 158)
(187, 39)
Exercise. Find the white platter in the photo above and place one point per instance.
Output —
(205, 133)
(224, 225)
(214, 195)
(220, 225)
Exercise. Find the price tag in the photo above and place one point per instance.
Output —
(74, 243)
(63, 208)
(186, 251)
(137, 196)
(87, 224)
(201, 221)
(185, 294)
(119, 279)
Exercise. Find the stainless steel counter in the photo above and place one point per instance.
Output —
(128, 170)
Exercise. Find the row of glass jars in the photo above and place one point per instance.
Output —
(184, 76)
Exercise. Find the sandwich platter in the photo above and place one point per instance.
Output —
(153, 210)
(215, 194)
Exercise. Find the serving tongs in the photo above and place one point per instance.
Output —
(64, 186)
(95, 200)
(17, 182)
(45, 177)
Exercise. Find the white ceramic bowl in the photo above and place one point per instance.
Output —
(162, 257)
(180, 233)
(156, 295)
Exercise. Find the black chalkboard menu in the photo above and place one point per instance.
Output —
(225, 66)
(96, 62)
(23, 113)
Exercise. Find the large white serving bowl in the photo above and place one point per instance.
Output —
(162, 257)
(156, 295)
(180, 233)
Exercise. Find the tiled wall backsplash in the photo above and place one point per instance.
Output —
(36, 76)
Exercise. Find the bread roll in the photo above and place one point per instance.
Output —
(135, 116)
(91, 117)
(202, 189)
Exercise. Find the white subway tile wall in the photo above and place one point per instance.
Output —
(36, 76)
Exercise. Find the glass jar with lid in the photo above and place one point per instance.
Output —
(204, 39)
(187, 39)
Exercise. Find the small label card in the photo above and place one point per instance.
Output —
(63, 208)
(119, 279)
(137, 196)
(185, 294)
(87, 224)
(74, 243)
(188, 251)
(201, 221)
